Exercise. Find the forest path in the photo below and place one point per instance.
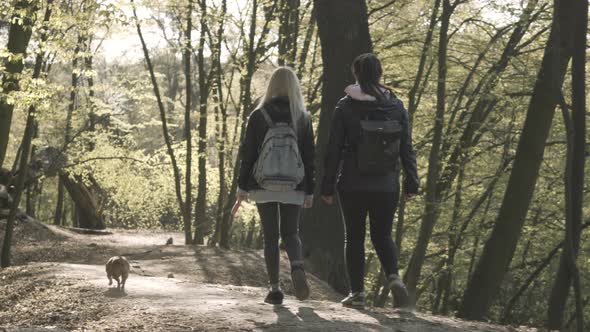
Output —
(183, 288)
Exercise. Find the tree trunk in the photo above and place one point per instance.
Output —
(221, 125)
(413, 103)
(59, 208)
(188, 190)
(288, 31)
(432, 199)
(309, 34)
(165, 132)
(574, 177)
(201, 222)
(19, 36)
(31, 192)
(85, 200)
(445, 282)
(498, 251)
(26, 149)
(344, 34)
(221, 154)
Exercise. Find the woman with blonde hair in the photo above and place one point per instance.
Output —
(277, 172)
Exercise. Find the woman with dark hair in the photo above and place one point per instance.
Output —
(370, 134)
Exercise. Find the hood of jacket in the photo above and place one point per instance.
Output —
(369, 103)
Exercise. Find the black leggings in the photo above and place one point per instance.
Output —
(380, 206)
(288, 216)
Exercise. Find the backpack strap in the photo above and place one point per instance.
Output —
(267, 118)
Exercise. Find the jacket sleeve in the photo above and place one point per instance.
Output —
(333, 153)
(248, 153)
(408, 157)
(308, 155)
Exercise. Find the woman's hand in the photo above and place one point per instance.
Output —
(237, 205)
(328, 199)
(308, 202)
(241, 195)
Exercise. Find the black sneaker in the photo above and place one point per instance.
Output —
(274, 297)
(354, 300)
(401, 298)
(300, 283)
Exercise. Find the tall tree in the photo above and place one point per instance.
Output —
(574, 177)
(204, 89)
(59, 208)
(167, 138)
(221, 126)
(499, 249)
(432, 198)
(19, 35)
(188, 189)
(25, 145)
(344, 34)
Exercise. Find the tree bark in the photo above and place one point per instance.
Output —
(221, 128)
(188, 190)
(309, 34)
(221, 132)
(201, 223)
(413, 103)
(445, 281)
(288, 31)
(59, 205)
(19, 36)
(499, 249)
(574, 177)
(86, 204)
(344, 34)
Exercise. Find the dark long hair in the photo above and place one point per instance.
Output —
(368, 71)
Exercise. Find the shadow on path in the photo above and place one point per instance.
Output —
(113, 292)
(307, 319)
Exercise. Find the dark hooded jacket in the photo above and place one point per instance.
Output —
(278, 110)
(340, 164)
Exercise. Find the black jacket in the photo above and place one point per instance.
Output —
(340, 159)
(278, 110)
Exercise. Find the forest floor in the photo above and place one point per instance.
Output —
(58, 283)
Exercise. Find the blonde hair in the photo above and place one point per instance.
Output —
(284, 83)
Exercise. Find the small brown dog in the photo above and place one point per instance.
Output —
(116, 267)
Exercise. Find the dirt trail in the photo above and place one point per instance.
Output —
(208, 290)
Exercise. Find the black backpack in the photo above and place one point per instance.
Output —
(377, 151)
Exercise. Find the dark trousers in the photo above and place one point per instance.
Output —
(380, 206)
(283, 219)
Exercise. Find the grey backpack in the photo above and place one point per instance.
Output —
(279, 166)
